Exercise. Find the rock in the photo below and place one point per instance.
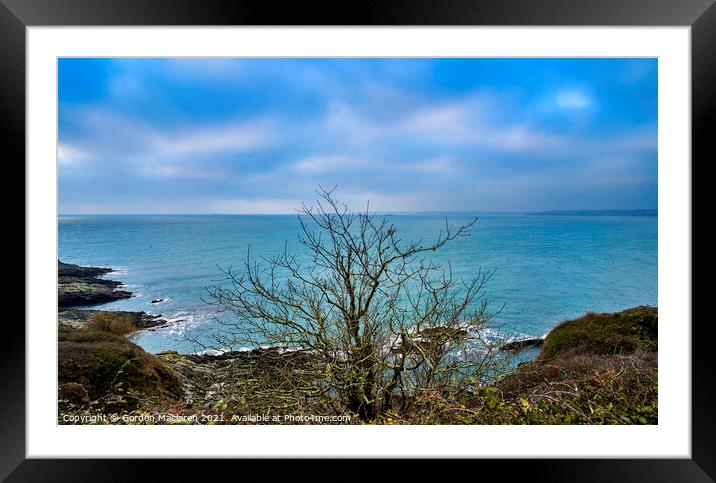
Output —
(79, 286)
(441, 333)
(430, 338)
(255, 374)
(518, 345)
(71, 270)
(156, 301)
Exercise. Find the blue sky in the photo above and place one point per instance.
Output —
(259, 135)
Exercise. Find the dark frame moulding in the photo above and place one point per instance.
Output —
(16, 15)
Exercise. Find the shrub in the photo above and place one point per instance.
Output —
(609, 333)
(597, 369)
(112, 322)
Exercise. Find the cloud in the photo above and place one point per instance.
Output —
(646, 140)
(213, 68)
(125, 86)
(441, 165)
(172, 171)
(327, 164)
(210, 139)
(243, 135)
(101, 137)
(468, 122)
(336, 165)
(523, 138)
(452, 123)
(387, 202)
(573, 100)
(68, 155)
(460, 125)
(266, 206)
(345, 124)
(635, 71)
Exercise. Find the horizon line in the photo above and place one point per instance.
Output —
(375, 212)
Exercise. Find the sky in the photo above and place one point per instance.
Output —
(220, 135)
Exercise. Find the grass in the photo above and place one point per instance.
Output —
(623, 332)
(98, 369)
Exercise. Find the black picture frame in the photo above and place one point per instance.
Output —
(16, 15)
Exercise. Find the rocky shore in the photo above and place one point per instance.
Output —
(254, 375)
(81, 286)
(518, 345)
(597, 369)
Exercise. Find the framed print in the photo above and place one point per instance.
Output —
(419, 232)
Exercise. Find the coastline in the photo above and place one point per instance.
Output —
(80, 287)
(102, 372)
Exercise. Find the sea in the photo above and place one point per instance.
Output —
(545, 268)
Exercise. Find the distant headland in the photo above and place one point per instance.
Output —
(650, 212)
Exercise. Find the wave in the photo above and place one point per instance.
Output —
(212, 352)
(116, 270)
(132, 286)
(183, 320)
(179, 323)
(224, 350)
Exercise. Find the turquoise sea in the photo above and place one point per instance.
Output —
(547, 268)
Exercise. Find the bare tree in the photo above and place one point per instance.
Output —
(382, 318)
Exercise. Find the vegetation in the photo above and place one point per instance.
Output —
(574, 383)
(382, 319)
(619, 333)
(100, 370)
(112, 322)
(597, 369)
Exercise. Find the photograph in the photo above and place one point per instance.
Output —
(357, 240)
(461, 231)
